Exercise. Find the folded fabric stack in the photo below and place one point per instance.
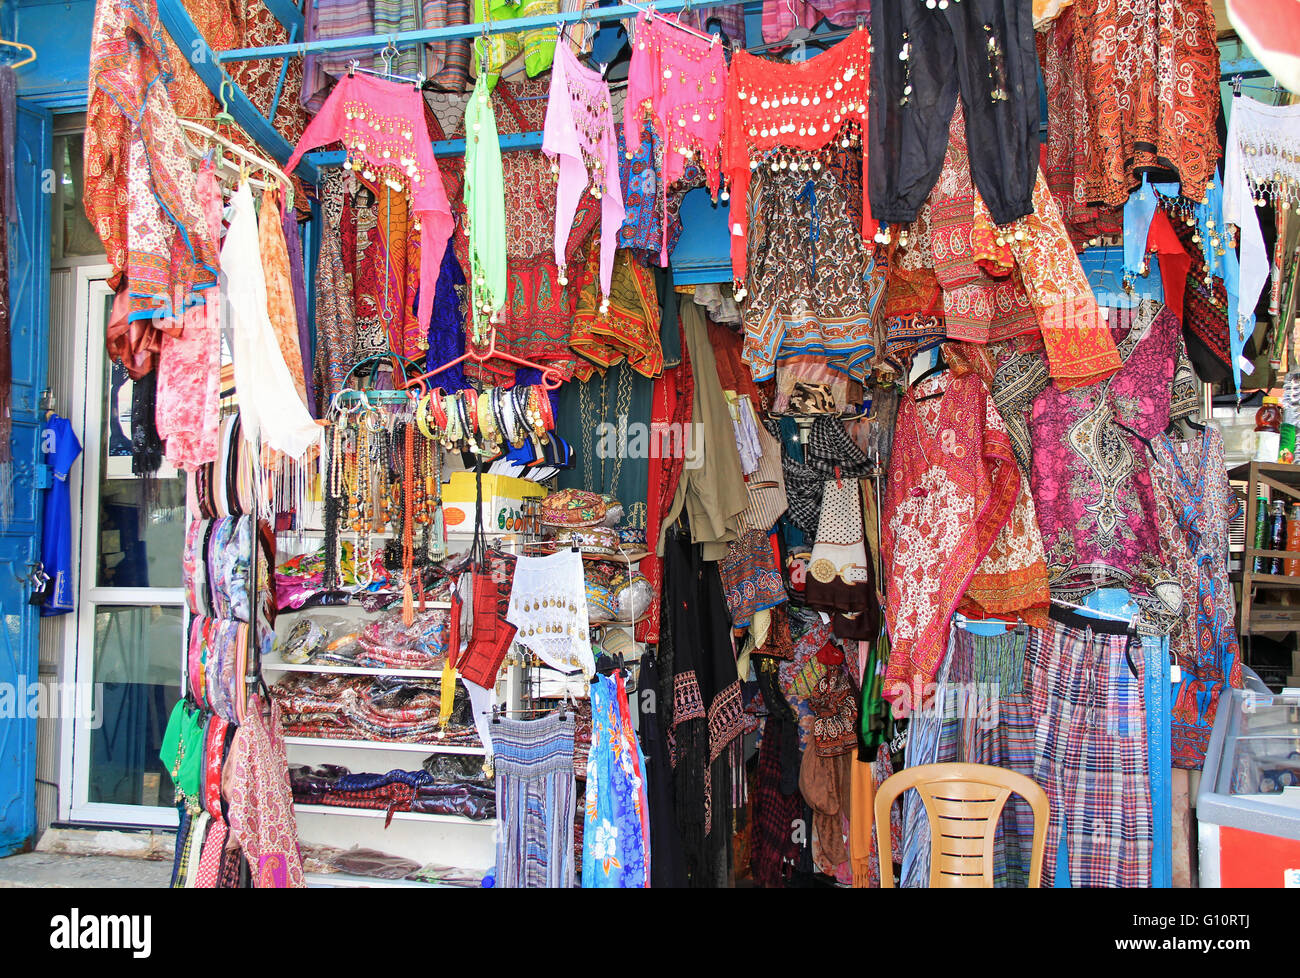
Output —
(371, 708)
(396, 791)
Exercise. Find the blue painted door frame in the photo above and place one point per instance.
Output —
(29, 298)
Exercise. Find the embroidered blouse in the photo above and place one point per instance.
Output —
(953, 484)
(384, 134)
(984, 299)
(680, 79)
(579, 134)
(1080, 349)
(1090, 475)
(803, 106)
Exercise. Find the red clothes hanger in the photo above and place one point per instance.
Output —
(551, 379)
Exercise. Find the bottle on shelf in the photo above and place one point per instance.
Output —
(1261, 532)
(1293, 540)
(1290, 418)
(1278, 536)
(1268, 424)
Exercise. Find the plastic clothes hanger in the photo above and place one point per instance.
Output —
(940, 365)
(551, 380)
(19, 45)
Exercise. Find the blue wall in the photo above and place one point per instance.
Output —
(59, 30)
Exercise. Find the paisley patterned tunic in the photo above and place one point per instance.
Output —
(1090, 474)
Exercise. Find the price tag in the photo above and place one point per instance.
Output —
(1175, 674)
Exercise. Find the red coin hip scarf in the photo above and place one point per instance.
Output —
(802, 106)
(382, 127)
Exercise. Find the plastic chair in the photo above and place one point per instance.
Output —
(963, 803)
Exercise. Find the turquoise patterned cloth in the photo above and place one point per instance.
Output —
(616, 831)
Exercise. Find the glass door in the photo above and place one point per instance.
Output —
(129, 620)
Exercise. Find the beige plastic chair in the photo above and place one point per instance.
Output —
(963, 803)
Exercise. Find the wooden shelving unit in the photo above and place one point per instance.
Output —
(1256, 617)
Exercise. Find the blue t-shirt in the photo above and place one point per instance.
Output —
(61, 447)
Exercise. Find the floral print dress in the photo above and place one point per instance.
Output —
(616, 830)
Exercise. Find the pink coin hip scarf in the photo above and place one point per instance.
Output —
(382, 128)
(579, 138)
(681, 80)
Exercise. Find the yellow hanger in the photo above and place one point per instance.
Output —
(31, 52)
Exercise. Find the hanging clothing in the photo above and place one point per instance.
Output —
(681, 79)
(298, 283)
(841, 576)
(61, 449)
(923, 59)
(704, 690)
(548, 604)
(1012, 578)
(1087, 696)
(1080, 349)
(140, 186)
(536, 798)
(189, 365)
(1163, 243)
(620, 324)
(953, 483)
(255, 781)
(979, 306)
(751, 578)
(711, 489)
(814, 284)
(1150, 72)
(672, 401)
(1205, 303)
(394, 263)
(1261, 161)
(269, 405)
(1068, 135)
(485, 219)
(335, 313)
(774, 808)
(1193, 475)
(580, 134)
(446, 337)
(831, 94)
(667, 868)
(647, 202)
(374, 117)
(616, 829)
(280, 309)
(982, 680)
(1090, 477)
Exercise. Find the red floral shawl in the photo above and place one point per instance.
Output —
(953, 482)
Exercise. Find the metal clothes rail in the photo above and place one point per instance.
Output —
(461, 31)
(208, 64)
